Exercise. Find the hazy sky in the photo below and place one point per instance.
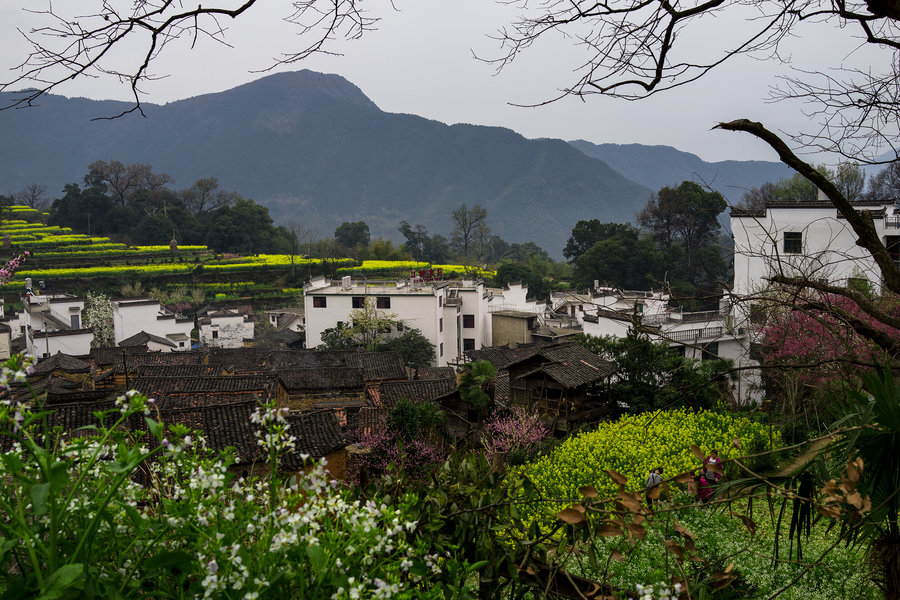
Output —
(420, 61)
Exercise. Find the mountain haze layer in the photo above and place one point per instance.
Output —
(314, 149)
(659, 166)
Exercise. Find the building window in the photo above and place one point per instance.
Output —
(710, 351)
(678, 350)
(383, 302)
(468, 321)
(440, 324)
(440, 301)
(399, 325)
(442, 349)
(359, 302)
(793, 242)
(319, 302)
(75, 322)
(892, 243)
(468, 344)
(215, 334)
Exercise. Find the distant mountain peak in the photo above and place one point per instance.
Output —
(294, 87)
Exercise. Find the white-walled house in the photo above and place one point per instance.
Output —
(451, 315)
(153, 343)
(287, 318)
(135, 315)
(225, 327)
(575, 306)
(51, 323)
(514, 296)
(698, 335)
(809, 239)
(801, 239)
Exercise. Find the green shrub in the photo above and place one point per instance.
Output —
(635, 444)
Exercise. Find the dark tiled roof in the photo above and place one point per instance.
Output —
(307, 358)
(64, 394)
(166, 358)
(428, 373)
(182, 371)
(282, 337)
(417, 391)
(377, 366)
(205, 390)
(111, 355)
(178, 400)
(73, 416)
(143, 338)
(317, 433)
(572, 365)
(761, 212)
(61, 333)
(501, 388)
(367, 419)
(21, 394)
(238, 357)
(223, 425)
(322, 378)
(139, 301)
(340, 403)
(502, 357)
(220, 311)
(62, 362)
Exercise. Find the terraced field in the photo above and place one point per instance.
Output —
(72, 262)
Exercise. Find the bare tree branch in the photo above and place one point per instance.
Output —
(861, 222)
(632, 51)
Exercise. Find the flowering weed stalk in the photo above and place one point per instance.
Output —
(130, 507)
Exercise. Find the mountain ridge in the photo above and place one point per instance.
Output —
(315, 149)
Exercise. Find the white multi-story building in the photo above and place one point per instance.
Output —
(51, 323)
(451, 315)
(135, 315)
(808, 239)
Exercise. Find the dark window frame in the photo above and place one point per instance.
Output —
(793, 242)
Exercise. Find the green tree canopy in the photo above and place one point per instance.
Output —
(244, 226)
(587, 233)
(368, 328)
(624, 261)
(684, 223)
(351, 235)
(414, 347)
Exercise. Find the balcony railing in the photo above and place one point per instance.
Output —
(693, 335)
